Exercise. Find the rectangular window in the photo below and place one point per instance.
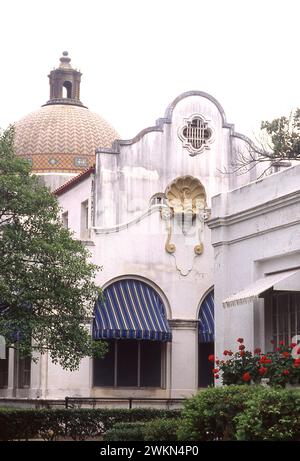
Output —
(285, 316)
(24, 371)
(127, 364)
(84, 224)
(130, 363)
(4, 370)
(104, 368)
(150, 373)
(65, 219)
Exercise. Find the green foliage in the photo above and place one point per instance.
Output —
(284, 133)
(241, 413)
(160, 429)
(163, 430)
(209, 415)
(270, 415)
(47, 285)
(125, 432)
(79, 424)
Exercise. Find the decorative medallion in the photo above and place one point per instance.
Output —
(81, 162)
(196, 134)
(186, 201)
(53, 161)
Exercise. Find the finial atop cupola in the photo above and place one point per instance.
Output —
(65, 83)
(65, 61)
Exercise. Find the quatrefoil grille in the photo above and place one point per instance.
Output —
(196, 134)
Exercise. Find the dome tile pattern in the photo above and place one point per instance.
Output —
(62, 137)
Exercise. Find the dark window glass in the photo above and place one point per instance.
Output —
(150, 371)
(286, 317)
(127, 367)
(104, 368)
(4, 371)
(24, 371)
(205, 367)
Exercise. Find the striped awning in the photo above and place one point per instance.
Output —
(130, 309)
(207, 320)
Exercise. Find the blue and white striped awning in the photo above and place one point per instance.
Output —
(207, 320)
(130, 309)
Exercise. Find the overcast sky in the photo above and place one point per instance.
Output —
(136, 56)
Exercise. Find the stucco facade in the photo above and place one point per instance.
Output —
(223, 232)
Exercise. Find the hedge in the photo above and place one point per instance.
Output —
(125, 432)
(157, 430)
(78, 424)
(241, 413)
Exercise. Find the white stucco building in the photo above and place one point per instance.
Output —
(175, 237)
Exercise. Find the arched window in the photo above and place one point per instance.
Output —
(158, 199)
(131, 317)
(67, 89)
(206, 336)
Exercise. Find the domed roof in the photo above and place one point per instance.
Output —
(63, 134)
(62, 137)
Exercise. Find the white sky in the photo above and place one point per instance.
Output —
(138, 55)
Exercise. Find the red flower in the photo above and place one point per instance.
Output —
(285, 354)
(298, 350)
(272, 341)
(285, 372)
(226, 352)
(242, 347)
(217, 362)
(246, 377)
(292, 345)
(281, 343)
(217, 376)
(240, 340)
(264, 359)
(257, 350)
(262, 371)
(242, 353)
(216, 370)
(278, 349)
(297, 363)
(211, 358)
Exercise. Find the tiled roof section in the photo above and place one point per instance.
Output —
(61, 130)
(74, 181)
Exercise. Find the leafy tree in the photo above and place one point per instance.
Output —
(47, 287)
(279, 144)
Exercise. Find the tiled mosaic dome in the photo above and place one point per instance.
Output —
(62, 137)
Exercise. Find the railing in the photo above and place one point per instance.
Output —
(70, 402)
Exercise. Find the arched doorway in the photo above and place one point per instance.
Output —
(131, 317)
(206, 344)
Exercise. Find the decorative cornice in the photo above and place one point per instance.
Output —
(256, 234)
(253, 212)
(72, 102)
(183, 324)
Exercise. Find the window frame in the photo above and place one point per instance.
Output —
(163, 362)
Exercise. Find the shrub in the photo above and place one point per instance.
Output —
(79, 424)
(122, 432)
(161, 430)
(164, 429)
(210, 414)
(270, 415)
(280, 367)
